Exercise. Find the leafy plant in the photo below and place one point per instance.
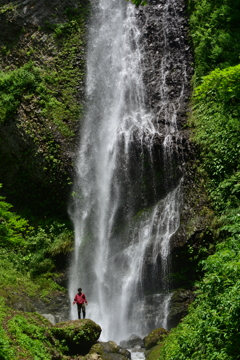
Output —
(211, 330)
(14, 85)
(12, 226)
(30, 337)
(215, 32)
(217, 131)
(6, 351)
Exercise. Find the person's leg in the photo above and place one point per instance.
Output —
(79, 311)
(84, 310)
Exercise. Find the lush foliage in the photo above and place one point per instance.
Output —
(211, 330)
(31, 257)
(26, 336)
(14, 85)
(215, 32)
(12, 226)
(216, 117)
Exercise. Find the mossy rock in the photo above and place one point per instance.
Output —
(108, 351)
(21, 302)
(154, 353)
(3, 293)
(155, 336)
(78, 335)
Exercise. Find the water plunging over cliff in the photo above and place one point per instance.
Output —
(127, 191)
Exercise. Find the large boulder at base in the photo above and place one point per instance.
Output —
(154, 338)
(78, 335)
(107, 351)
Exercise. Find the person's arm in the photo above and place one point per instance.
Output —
(75, 300)
(85, 300)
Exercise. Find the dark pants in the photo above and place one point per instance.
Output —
(81, 307)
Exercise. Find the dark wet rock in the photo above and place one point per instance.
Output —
(79, 335)
(131, 342)
(169, 59)
(154, 338)
(179, 304)
(108, 351)
(55, 308)
(21, 303)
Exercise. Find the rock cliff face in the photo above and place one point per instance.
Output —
(38, 138)
(168, 69)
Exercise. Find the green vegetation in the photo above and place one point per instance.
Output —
(7, 7)
(216, 117)
(139, 2)
(215, 32)
(31, 347)
(211, 329)
(42, 75)
(31, 257)
(30, 336)
(20, 84)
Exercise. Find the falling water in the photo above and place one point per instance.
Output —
(117, 244)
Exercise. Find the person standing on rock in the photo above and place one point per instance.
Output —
(80, 300)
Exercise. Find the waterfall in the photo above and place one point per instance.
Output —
(125, 211)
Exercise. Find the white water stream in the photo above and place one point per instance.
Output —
(112, 243)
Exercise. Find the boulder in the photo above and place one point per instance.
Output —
(155, 336)
(153, 353)
(108, 351)
(179, 304)
(78, 335)
(131, 342)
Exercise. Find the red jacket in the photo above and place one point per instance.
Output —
(80, 299)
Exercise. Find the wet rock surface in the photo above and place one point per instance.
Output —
(168, 64)
(108, 350)
(131, 342)
(179, 304)
(35, 12)
(54, 308)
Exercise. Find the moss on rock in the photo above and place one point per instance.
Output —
(153, 353)
(154, 338)
(78, 335)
